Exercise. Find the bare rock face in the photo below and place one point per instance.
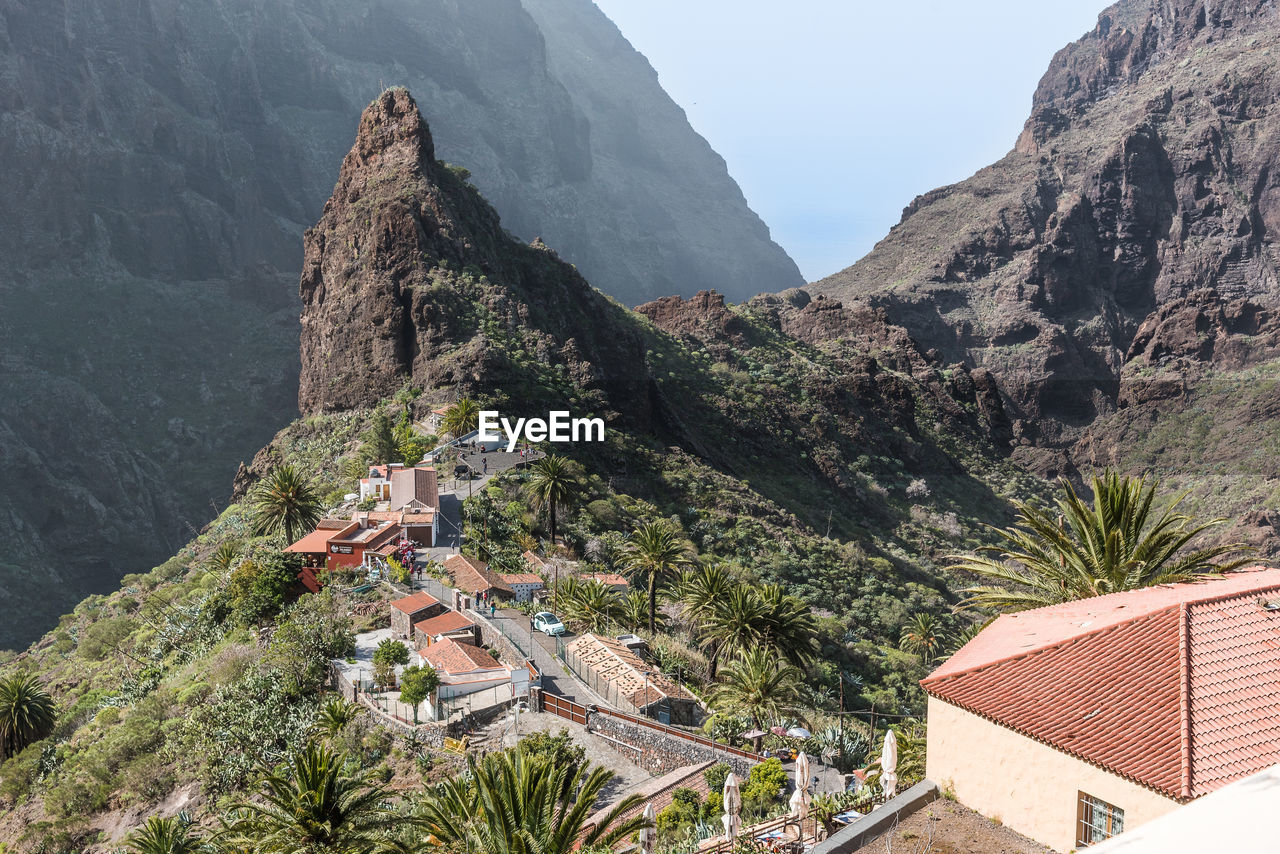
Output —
(409, 278)
(1128, 240)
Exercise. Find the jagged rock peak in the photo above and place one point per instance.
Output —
(391, 127)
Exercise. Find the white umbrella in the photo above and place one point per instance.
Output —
(889, 764)
(732, 799)
(800, 800)
(649, 835)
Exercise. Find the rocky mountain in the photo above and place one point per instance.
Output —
(1117, 270)
(410, 286)
(162, 161)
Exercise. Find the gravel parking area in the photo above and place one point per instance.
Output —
(946, 827)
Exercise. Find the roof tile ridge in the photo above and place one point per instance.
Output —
(1062, 644)
(1239, 594)
(1184, 696)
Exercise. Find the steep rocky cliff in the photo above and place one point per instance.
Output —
(1123, 254)
(162, 160)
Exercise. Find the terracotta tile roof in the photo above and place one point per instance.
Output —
(472, 576)
(1174, 687)
(521, 578)
(449, 621)
(414, 485)
(615, 663)
(612, 579)
(538, 564)
(314, 543)
(414, 603)
(455, 658)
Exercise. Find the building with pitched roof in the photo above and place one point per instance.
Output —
(523, 584)
(467, 671)
(472, 576)
(346, 542)
(410, 610)
(450, 624)
(1076, 721)
(616, 673)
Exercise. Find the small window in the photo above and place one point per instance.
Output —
(1097, 820)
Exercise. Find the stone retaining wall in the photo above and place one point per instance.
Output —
(660, 753)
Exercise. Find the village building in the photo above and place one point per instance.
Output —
(446, 626)
(616, 673)
(344, 543)
(413, 609)
(410, 497)
(612, 580)
(377, 484)
(1075, 722)
(467, 671)
(472, 576)
(524, 585)
(434, 422)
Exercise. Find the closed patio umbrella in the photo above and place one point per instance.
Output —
(889, 764)
(800, 798)
(649, 834)
(732, 805)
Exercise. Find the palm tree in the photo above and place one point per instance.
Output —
(635, 612)
(315, 808)
(554, 482)
(165, 836)
(1118, 543)
(700, 589)
(285, 501)
(761, 685)
(590, 605)
(788, 624)
(733, 622)
(27, 713)
(462, 417)
(511, 803)
(335, 715)
(923, 635)
(223, 557)
(656, 551)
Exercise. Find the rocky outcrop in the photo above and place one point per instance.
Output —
(409, 278)
(1127, 239)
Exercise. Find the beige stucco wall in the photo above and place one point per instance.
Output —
(1029, 786)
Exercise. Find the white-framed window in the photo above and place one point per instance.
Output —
(1096, 820)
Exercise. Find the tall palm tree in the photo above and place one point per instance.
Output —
(165, 836)
(462, 417)
(656, 551)
(285, 501)
(27, 713)
(761, 685)
(1120, 542)
(788, 624)
(511, 803)
(733, 622)
(923, 635)
(315, 808)
(700, 589)
(554, 481)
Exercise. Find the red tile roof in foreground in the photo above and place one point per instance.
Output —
(1176, 687)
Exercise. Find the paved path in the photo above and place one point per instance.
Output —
(554, 678)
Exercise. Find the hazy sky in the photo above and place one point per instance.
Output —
(834, 115)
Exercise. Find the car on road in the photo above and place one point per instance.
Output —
(548, 623)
